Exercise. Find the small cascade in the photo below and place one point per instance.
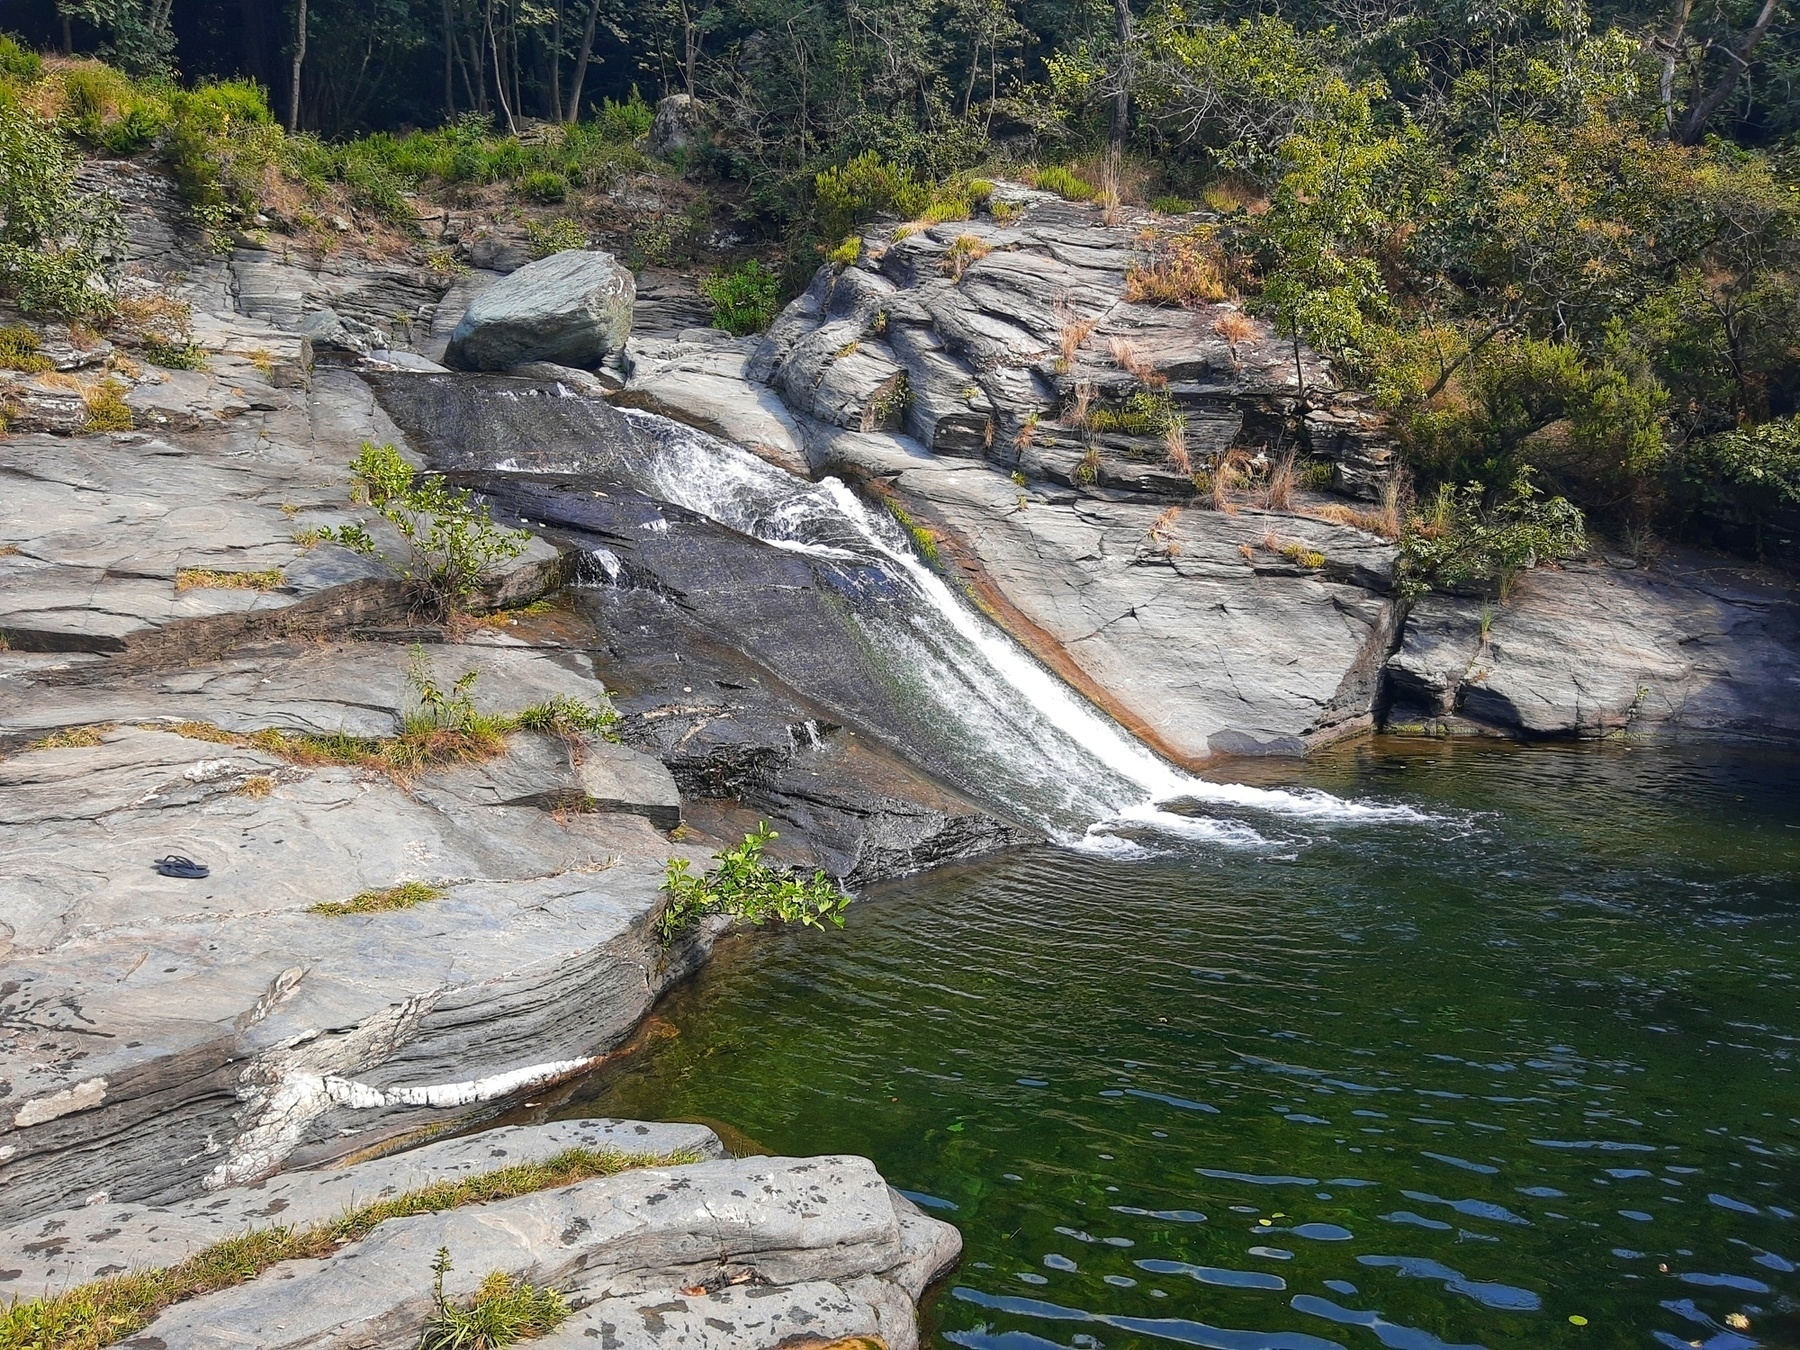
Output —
(1024, 739)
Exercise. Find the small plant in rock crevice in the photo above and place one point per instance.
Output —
(745, 887)
(745, 299)
(405, 895)
(502, 1311)
(453, 545)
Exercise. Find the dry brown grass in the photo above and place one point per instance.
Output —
(1129, 359)
(1076, 414)
(1074, 331)
(1161, 532)
(154, 312)
(1026, 434)
(208, 578)
(1186, 270)
(1235, 327)
(1278, 488)
(1227, 476)
(73, 738)
(1175, 449)
(257, 785)
(399, 757)
(1383, 520)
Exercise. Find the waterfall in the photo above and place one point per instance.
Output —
(1024, 739)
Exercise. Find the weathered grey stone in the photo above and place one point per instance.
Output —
(702, 383)
(1693, 645)
(67, 1247)
(786, 1221)
(572, 308)
(551, 774)
(680, 125)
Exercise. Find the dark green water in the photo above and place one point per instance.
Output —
(1402, 1085)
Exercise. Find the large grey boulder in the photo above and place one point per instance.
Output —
(572, 308)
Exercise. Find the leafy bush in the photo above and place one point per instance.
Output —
(453, 545)
(745, 887)
(744, 298)
(1463, 541)
(175, 355)
(1750, 475)
(106, 407)
(625, 121)
(52, 235)
(18, 63)
(847, 253)
(865, 187)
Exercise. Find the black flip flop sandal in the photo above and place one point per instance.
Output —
(177, 866)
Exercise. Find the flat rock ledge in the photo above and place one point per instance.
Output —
(749, 1253)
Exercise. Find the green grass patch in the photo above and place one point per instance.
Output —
(103, 1312)
(407, 895)
(744, 298)
(502, 1311)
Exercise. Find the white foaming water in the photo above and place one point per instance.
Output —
(1029, 739)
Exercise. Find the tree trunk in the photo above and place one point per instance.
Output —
(1121, 109)
(1669, 52)
(1694, 127)
(581, 61)
(499, 72)
(293, 108)
(449, 63)
(556, 55)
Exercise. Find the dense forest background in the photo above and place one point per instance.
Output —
(1558, 242)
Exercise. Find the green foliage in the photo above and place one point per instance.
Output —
(405, 895)
(744, 297)
(175, 355)
(1148, 412)
(867, 186)
(453, 545)
(847, 253)
(624, 121)
(19, 350)
(502, 1311)
(746, 888)
(1744, 475)
(53, 235)
(544, 185)
(557, 235)
(17, 63)
(1464, 541)
(1064, 183)
(563, 715)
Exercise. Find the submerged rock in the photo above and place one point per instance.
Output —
(572, 308)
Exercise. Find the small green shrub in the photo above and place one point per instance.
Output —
(106, 407)
(864, 187)
(1064, 184)
(625, 121)
(563, 715)
(453, 545)
(745, 887)
(544, 185)
(744, 298)
(503, 1311)
(846, 254)
(175, 355)
(53, 235)
(1750, 474)
(1465, 541)
(17, 62)
(1171, 206)
(557, 235)
(19, 350)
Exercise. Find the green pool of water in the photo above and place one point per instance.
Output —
(1453, 1082)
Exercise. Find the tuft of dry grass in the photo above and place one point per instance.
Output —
(1175, 448)
(1026, 434)
(106, 407)
(405, 895)
(1076, 414)
(1228, 475)
(1075, 330)
(1383, 520)
(1235, 327)
(1161, 530)
(105, 1311)
(1129, 359)
(73, 738)
(1186, 270)
(258, 785)
(399, 757)
(208, 578)
(1278, 488)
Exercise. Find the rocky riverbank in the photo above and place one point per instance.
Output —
(378, 952)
